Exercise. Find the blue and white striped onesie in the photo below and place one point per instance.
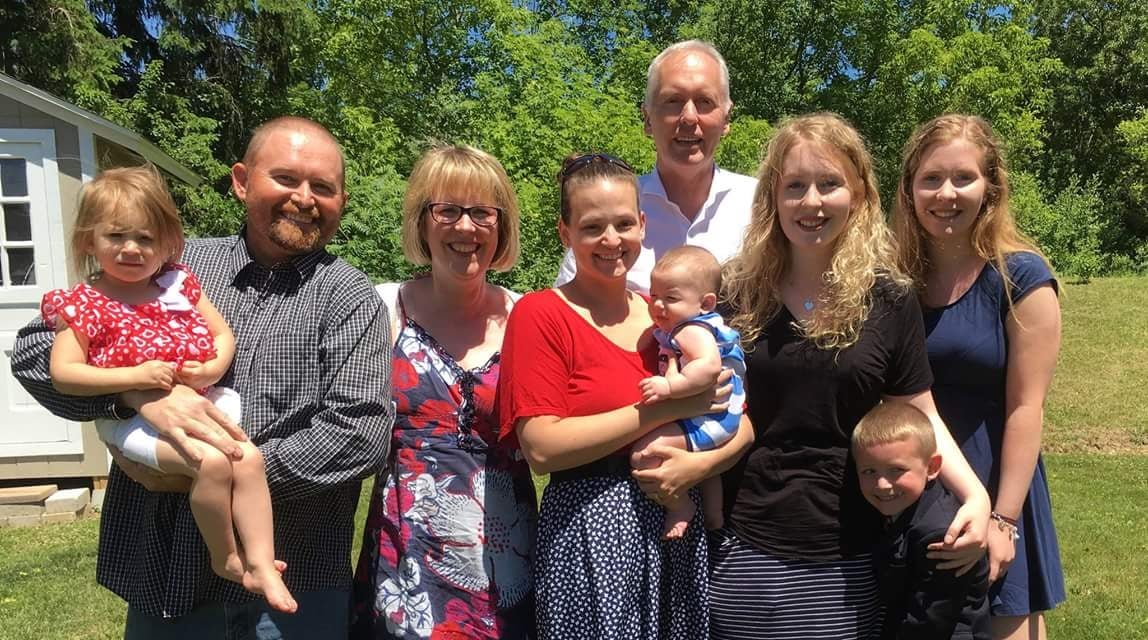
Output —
(714, 429)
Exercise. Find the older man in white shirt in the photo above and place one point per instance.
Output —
(687, 198)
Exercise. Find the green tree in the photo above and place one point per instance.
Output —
(235, 61)
(1102, 44)
(55, 45)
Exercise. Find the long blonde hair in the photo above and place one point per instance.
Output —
(994, 234)
(863, 252)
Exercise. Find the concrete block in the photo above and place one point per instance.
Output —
(67, 501)
(98, 499)
(24, 521)
(7, 510)
(68, 516)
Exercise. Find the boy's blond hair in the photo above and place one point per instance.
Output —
(700, 266)
(896, 422)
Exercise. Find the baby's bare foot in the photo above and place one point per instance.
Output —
(268, 581)
(678, 516)
(674, 529)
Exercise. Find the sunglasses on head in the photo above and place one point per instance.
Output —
(581, 162)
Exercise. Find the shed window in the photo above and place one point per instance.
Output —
(17, 253)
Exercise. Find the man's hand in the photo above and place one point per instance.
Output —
(151, 479)
(154, 374)
(654, 389)
(183, 417)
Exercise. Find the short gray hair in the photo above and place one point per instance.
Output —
(698, 46)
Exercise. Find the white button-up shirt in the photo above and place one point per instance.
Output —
(718, 227)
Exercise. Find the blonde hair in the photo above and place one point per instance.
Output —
(862, 253)
(113, 191)
(994, 234)
(701, 268)
(456, 167)
(896, 422)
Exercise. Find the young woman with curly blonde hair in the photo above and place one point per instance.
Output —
(992, 331)
(831, 328)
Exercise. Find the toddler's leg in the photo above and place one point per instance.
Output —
(254, 522)
(679, 510)
(210, 499)
(712, 503)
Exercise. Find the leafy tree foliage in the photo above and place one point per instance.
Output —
(55, 45)
(1064, 82)
(1097, 104)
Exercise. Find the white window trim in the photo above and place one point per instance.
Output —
(55, 273)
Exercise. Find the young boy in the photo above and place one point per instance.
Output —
(897, 465)
(695, 345)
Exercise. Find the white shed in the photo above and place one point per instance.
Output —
(48, 149)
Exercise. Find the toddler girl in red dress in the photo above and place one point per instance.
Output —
(139, 322)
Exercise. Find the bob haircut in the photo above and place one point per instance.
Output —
(462, 168)
(115, 191)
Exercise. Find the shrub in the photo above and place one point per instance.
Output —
(1067, 229)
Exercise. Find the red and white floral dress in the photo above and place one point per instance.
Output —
(168, 328)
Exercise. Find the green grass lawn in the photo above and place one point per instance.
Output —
(48, 588)
(1098, 398)
(1100, 503)
(1097, 432)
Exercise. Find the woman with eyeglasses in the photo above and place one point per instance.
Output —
(450, 532)
(573, 358)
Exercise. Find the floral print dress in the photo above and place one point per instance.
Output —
(450, 532)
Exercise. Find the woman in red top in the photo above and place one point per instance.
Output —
(572, 360)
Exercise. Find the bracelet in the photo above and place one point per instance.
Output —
(1006, 523)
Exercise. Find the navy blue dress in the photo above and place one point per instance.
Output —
(968, 351)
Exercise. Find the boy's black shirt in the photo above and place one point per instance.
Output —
(922, 602)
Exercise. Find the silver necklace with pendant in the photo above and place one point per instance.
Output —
(807, 304)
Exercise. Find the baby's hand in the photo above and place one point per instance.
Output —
(654, 389)
(195, 375)
(154, 374)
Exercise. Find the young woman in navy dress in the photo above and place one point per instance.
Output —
(993, 331)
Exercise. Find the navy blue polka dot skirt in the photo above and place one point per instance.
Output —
(603, 571)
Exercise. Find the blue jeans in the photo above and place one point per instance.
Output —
(321, 614)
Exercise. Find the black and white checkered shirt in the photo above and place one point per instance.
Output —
(313, 369)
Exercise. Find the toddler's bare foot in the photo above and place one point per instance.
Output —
(230, 569)
(268, 581)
